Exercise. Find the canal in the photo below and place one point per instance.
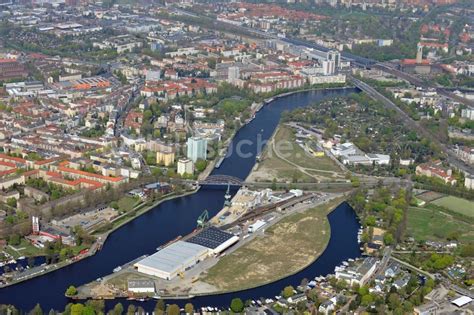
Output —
(178, 217)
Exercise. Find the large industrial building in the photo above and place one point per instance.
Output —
(180, 256)
(214, 239)
(171, 260)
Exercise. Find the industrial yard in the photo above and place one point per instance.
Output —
(199, 263)
(259, 261)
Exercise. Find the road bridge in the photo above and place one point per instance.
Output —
(221, 180)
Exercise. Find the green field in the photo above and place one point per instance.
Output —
(427, 224)
(459, 205)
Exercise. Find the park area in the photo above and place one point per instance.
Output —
(431, 224)
(287, 161)
(287, 247)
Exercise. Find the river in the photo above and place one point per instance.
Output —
(178, 217)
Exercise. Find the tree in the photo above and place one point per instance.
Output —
(189, 308)
(366, 300)
(14, 240)
(288, 291)
(71, 291)
(394, 301)
(36, 310)
(370, 220)
(236, 305)
(77, 309)
(388, 239)
(88, 310)
(201, 165)
(118, 309)
(274, 185)
(313, 295)
(211, 63)
(11, 202)
(160, 307)
(97, 305)
(173, 309)
(131, 309)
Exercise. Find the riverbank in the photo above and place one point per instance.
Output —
(178, 217)
(101, 239)
(300, 238)
(255, 261)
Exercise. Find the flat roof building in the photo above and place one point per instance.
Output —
(172, 260)
(141, 286)
(214, 239)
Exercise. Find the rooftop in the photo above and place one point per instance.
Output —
(172, 257)
(210, 237)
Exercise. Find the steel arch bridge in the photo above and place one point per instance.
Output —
(221, 180)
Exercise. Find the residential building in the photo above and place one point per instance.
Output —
(165, 155)
(435, 169)
(359, 273)
(469, 181)
(11, 69)
(197, 149)
(185, 166)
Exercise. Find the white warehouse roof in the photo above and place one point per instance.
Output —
(463, 300)
(174, 257)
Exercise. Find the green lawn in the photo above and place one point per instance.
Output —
(299, 156)
(459, 205)
(24, 249)
(427, 224)
(126, 203)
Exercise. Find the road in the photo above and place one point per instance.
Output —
(118, 129)
(453, 159)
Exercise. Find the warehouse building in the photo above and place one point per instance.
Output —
(180, 256)
(215, 239)
(141, 286)
(172, 260)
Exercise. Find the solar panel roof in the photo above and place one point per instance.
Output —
(210, 237)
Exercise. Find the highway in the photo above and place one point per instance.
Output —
(452, 157)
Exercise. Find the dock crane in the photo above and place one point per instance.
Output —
(202, 220)
(227, 197)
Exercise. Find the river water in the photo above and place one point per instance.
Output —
(178, 217)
